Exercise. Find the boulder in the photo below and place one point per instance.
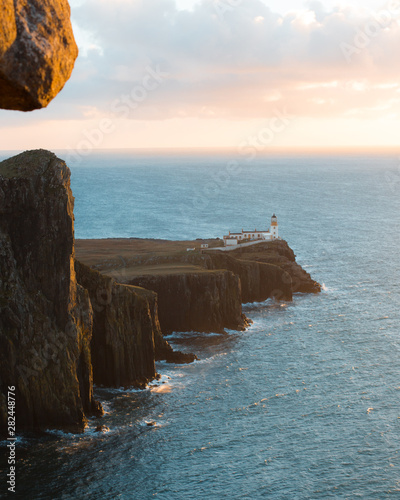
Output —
(37, 52)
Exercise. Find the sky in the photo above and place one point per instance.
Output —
(242, 74)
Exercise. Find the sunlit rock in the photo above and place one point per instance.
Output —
(37, 52)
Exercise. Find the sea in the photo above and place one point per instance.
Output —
(305, 404)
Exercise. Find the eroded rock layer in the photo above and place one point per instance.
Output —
(259, 281)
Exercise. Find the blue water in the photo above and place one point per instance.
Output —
(303, 405)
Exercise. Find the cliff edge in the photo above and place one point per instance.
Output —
(278, 253)
(201, 290)
(63, 326)
(45, 316)
(127, 337)
(199, 300)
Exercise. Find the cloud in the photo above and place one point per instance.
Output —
(238, 63)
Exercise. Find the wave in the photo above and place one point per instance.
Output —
(185, 335)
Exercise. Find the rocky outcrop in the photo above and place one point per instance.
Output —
(163, 350)
(127, 338)
(45, 316)
(205, 301)
(189, 295)
(278, 253)
(123, 331)
(210, 299)
(259, 281)
(37, 52)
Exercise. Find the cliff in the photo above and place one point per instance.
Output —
(210, 298)
(126, 332)
(201, 291)
(123, 331)
(37, 52)
(63, 325)
(206, 301)
(45, 316)
(259, 281)
(278, 253)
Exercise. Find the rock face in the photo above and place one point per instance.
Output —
(163, 350)
(208, 301)
(127, 338)
(8, 26)
(278, 253)
(57, 316)
(196, 290)
(259, 281)
(211, 300)
(45, 316)
(37, 52)
(123, 350)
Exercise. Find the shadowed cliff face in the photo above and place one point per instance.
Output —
(211, 300)
(123, 331)
(163, 350)
(278, 253)
(202, 301)
(259, 281)
(53, 325)
(201, 291)
(37, 52)
(45, 316)
(127, 336)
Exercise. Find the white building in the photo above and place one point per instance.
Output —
(247, 236)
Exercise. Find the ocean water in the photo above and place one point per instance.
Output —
(305, 403)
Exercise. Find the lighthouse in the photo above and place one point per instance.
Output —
(274, 227)
(252, 237)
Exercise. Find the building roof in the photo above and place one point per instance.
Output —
(256, 231)
(246, 232)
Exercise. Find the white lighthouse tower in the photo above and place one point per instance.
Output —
(274, 227)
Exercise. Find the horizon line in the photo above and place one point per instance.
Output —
(358, 149)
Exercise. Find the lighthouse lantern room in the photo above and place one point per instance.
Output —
(274, 227)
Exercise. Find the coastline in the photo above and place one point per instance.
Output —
(76, 313)
(194, 284)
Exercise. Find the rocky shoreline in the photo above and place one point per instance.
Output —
(78, 313)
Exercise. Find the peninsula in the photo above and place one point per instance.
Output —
(199, 286)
